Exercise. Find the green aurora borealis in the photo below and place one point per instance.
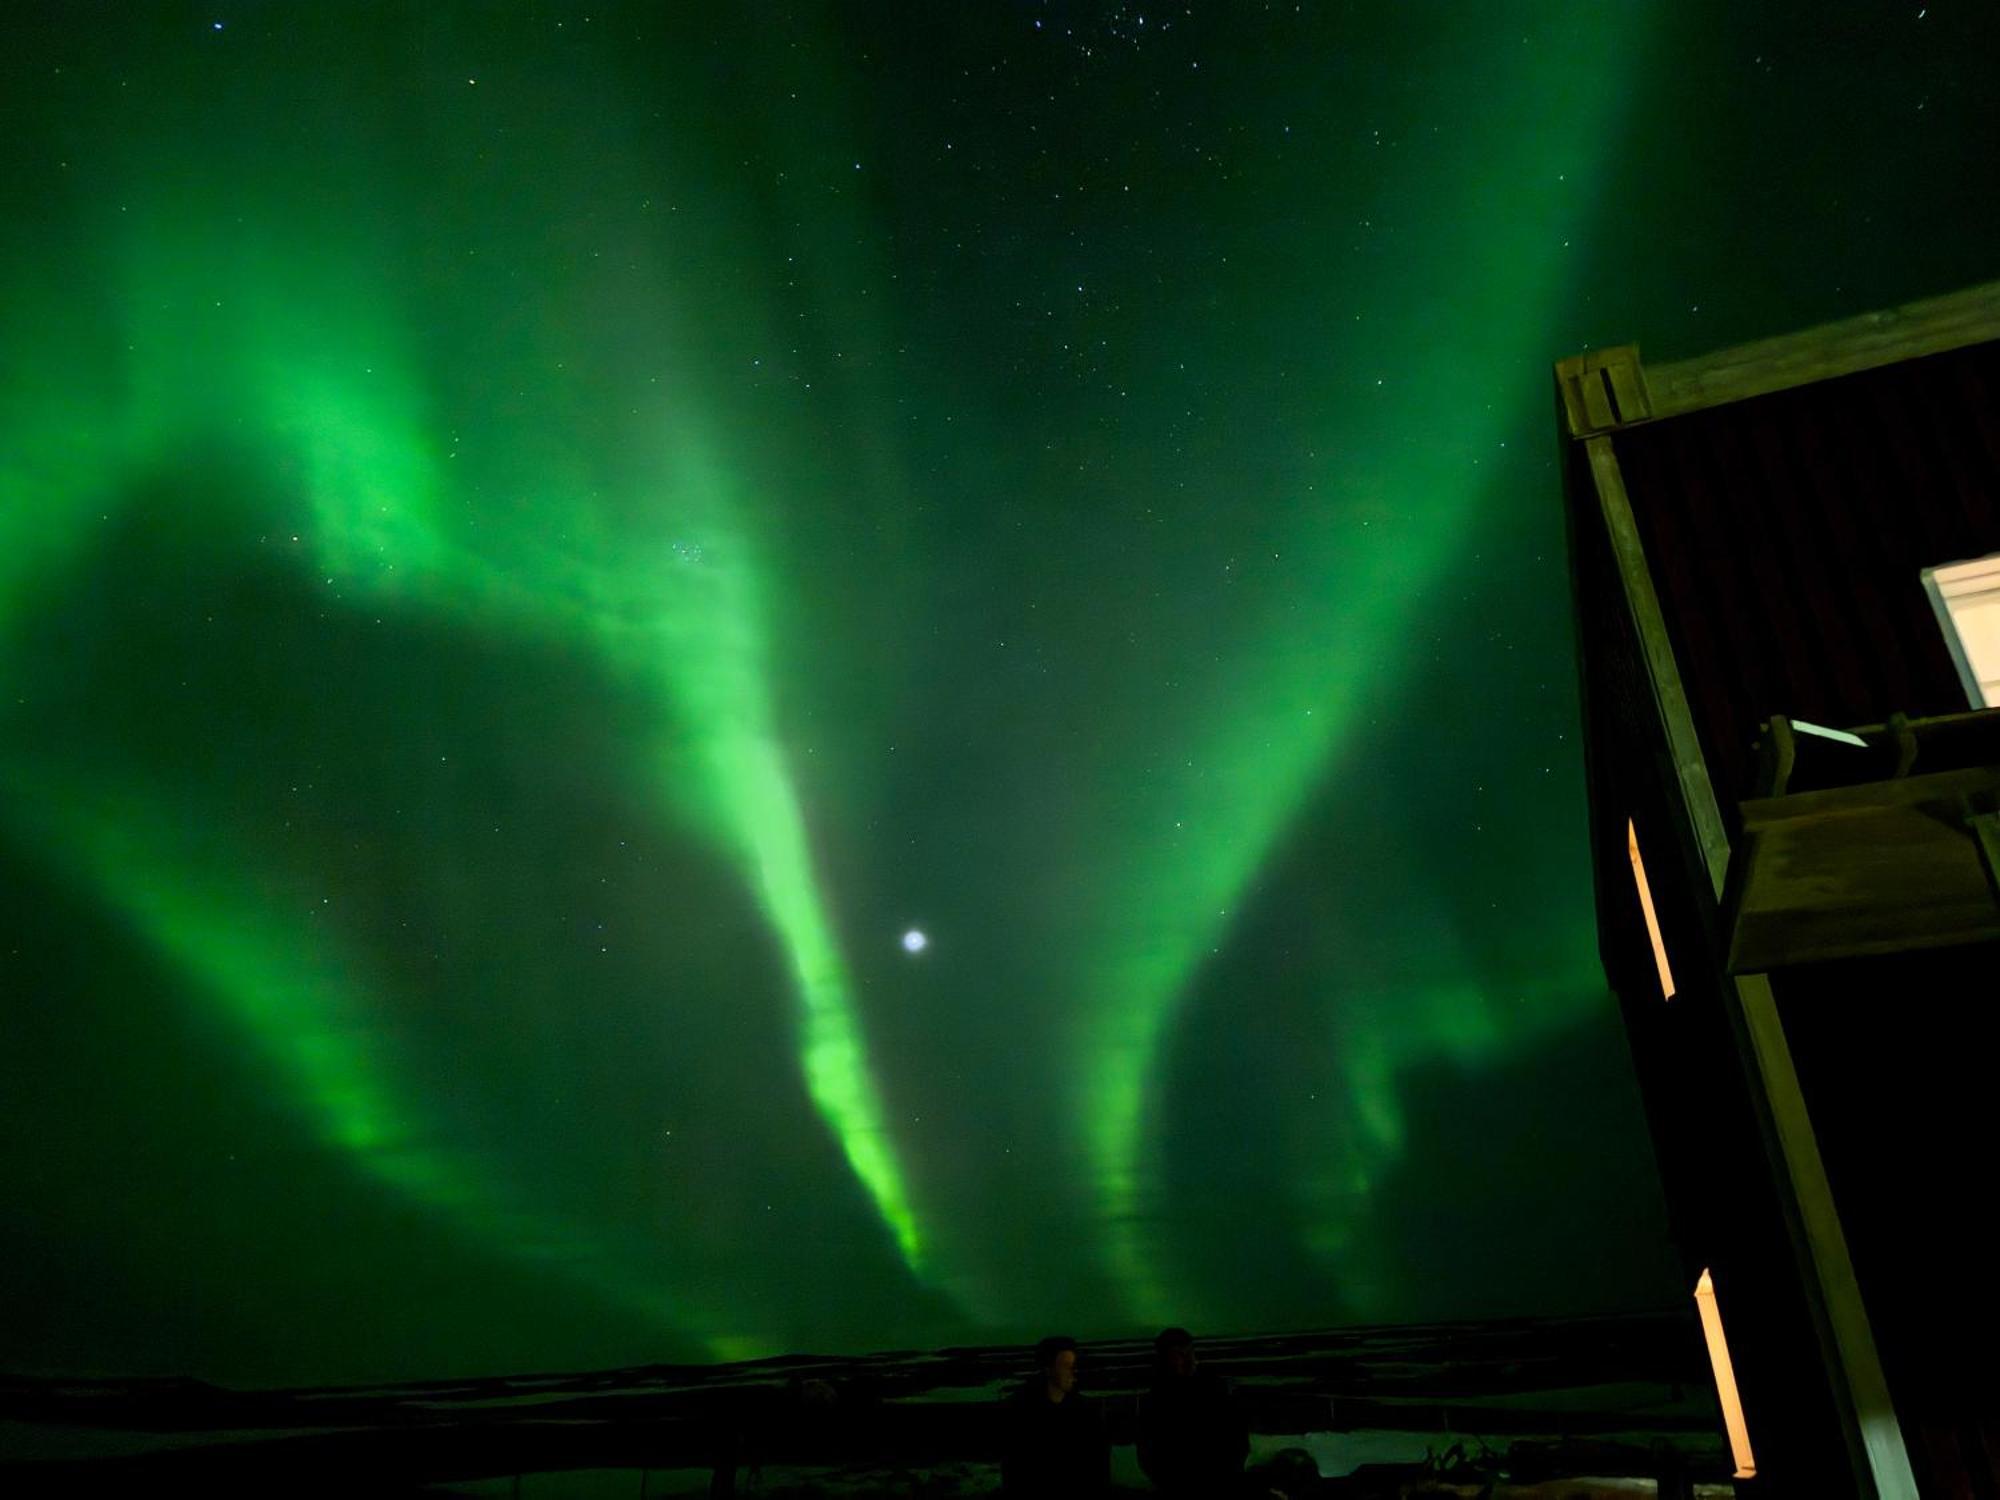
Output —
(536, 540)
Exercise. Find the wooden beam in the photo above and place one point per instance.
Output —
(1932, 326)
(1602, 390)
(1613, 388)
(1650, 623)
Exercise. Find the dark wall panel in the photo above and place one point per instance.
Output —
(1787, 535)
(1895, 1055)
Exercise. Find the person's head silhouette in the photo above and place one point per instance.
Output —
(1055, 1357)
(1173, 1352)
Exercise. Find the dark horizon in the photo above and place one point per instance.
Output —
(1017, 1354)
(1627, 1390)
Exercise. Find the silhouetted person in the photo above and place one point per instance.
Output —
(1192, 1438)
(1055, 1445)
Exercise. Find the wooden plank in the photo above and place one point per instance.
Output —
(1602, 390)
(1872, 798)
(1881, 867)
(1628, 386)
(1934, 325)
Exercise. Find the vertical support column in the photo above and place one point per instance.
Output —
(1880, 1462)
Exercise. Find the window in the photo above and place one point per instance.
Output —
(1966, 597)
(1652, 918)
(1725, 1378)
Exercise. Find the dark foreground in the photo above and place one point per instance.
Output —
(1545, 1408)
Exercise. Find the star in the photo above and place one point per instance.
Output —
(914, 941)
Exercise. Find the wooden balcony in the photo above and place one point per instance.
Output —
(1881, 839)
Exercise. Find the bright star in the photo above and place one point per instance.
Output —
(914, 941)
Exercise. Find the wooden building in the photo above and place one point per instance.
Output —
(1786, 562)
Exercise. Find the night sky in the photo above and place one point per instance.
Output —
(541, 542)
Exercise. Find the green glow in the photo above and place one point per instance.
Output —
(184, 890)
(751, 775)
(683, 616)
(1269, 725)
(305, 367)
(814, 473)
(700, 631)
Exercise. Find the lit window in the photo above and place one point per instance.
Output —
(1966, 597)
(1652, 918)
(1725, 1378)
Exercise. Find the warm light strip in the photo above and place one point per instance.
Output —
(1646, 905)
(1725, 1378)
